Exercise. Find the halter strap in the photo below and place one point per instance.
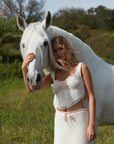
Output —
(79, 68)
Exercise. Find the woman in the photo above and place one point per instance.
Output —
(73, 125)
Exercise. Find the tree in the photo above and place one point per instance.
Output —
(100, 18)
(111, 21)
(95, 18)
(69, 18)
(32, 10)
(103, 16)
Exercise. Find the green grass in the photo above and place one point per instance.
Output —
(25, 118)
(28, 118)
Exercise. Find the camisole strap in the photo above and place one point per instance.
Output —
(79, 68)
(53, 75)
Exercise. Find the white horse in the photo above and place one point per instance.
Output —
(37, 37)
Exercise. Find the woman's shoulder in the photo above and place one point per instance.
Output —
(84, 68)
(83, 65)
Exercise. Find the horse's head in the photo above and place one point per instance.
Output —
(35, 39)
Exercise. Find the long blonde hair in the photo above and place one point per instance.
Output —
(70, 53)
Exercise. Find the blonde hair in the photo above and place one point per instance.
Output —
(70, 53)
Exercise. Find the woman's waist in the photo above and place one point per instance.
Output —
(77, 106)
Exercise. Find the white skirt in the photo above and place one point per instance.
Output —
(71, 127)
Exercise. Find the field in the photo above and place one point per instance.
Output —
(28, 118)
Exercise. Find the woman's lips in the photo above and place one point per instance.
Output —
(59, 57)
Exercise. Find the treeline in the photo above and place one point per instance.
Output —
(78, 20)
(95, 18)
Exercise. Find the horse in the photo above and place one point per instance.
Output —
(36, 38)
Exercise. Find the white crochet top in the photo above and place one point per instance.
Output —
(69, 91)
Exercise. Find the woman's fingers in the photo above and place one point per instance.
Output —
(29, 57)
(90, 137)
(91, 134)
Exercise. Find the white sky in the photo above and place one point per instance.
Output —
(54, 5)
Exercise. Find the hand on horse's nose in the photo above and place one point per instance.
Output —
(27, 79)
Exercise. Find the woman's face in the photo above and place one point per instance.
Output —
(59, 51)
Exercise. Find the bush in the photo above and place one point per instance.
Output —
(8, 30)
(10, 70)
(83, 32)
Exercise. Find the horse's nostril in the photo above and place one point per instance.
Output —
(27, 79)
(38, 78)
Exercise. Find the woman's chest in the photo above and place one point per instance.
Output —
(62, 76)
(72, 82)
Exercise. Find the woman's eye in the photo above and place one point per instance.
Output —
(23, 45)
(60, 48)
(54, 51)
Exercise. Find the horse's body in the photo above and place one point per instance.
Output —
(102, 73)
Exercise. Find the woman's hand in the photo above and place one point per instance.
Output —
(27, 60)
(91, 134)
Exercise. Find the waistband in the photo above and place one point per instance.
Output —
(71, 112)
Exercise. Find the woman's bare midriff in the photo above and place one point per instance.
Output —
(77, 106)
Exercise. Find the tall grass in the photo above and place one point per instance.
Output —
(28, 118)
(25, 118)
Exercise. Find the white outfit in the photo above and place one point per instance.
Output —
(70, 127)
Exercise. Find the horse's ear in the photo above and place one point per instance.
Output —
(47, 21)
(21, 23)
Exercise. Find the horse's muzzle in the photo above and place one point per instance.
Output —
(34, 81)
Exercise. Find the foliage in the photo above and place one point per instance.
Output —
(83, 32)
(10, 70)
(103, 46)
(95, 18)
(8, 30)
(69, 18)
(32, 10)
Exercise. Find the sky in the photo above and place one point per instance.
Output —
(54, 5)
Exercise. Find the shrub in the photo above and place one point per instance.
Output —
(10, 70)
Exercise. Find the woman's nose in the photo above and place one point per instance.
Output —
(58, 52)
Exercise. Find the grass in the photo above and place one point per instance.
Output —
(28, 118)
(25, 118)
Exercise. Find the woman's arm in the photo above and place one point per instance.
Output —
(92, 104)
(26, 61)
(47, 81)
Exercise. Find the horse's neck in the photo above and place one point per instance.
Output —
(83, 52)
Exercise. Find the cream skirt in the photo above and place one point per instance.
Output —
(70, 127)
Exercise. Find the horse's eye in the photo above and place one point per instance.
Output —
(23, 45)
(45, 43)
